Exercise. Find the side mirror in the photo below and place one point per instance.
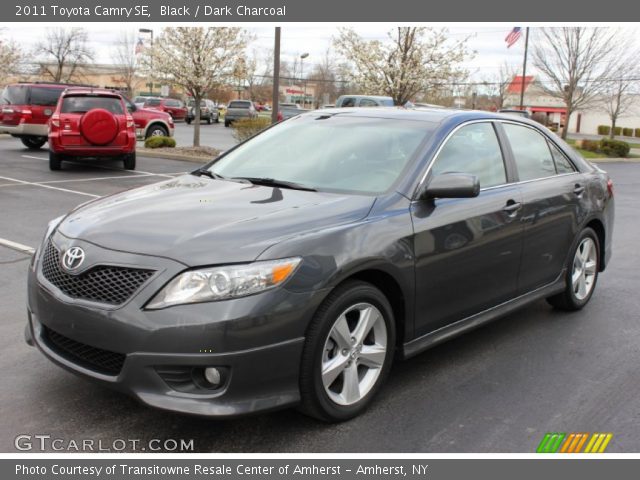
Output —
(451, 185)
(131, 107)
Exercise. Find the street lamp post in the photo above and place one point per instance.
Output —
(304, 88)
(150, 32)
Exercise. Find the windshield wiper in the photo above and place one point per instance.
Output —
(272, 182)
(208, 173)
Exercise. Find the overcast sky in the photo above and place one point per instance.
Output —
(487, 41)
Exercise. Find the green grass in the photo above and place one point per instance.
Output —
(588, 154)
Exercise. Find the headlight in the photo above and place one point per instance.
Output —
(221, 283)
(51, 226)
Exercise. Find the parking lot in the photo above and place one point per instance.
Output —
(497, 389)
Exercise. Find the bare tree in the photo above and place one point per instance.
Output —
(10, 57)
(577, 62)
(620, 91)
(324, 77)
(412, 60)
(63, 51)
(125, 58)
(497, 86)
(197, 59)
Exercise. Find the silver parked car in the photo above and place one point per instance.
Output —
(363, 101)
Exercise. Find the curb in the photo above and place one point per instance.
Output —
(613, 160)
(146, 152)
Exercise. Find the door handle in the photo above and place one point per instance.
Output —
(578, 189)
(512, 207)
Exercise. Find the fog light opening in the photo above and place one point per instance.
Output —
(213, 376)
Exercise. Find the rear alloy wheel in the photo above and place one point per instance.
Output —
(582, 273)
(157, 131)
(348, 352)
(54, 161)
(33, 143)
(130, 161)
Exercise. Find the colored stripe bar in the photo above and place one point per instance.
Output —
(605, 443)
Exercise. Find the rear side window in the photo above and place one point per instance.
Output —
(367, 102)
(46, 97)
(531, 152)
(15, 95)
(82, 104)
(563, 165)
(239, 105)
(348, 102)
(473, 149)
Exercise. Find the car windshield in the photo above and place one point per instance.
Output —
(84, 103)
(152, 102)
(333, 153)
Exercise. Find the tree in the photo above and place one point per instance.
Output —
(577, 63)
(10, 58)
(619, 97)
(412, 61)
(498, 84)
(324, 77)
(64, 50)
(126, 60)
(197, 59)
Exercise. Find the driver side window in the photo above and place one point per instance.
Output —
(473, 149)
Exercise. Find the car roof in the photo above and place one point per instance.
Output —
(424, 114)
(366, 96)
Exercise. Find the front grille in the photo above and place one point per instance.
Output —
(96, 359)
(103, 283)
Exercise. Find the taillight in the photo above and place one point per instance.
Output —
(610, 187)
(55, 121)
(25, 115)
(130, 123)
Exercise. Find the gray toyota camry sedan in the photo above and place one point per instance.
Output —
(294, 268)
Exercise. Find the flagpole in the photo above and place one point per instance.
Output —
(524, 68)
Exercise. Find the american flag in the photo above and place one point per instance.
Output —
(513, 36)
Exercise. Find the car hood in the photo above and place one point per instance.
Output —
(200, 221)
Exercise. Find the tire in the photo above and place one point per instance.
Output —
(217, 120)
(188, 120)
(54, 161)
(582, 273)
(327, 396)
(130, 161)
(209, 120)
(33, 143)
(156, 131)
(227, 123)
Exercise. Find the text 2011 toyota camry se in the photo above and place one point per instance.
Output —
(292, 269)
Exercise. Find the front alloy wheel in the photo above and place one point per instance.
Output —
(348, 352)
(354, 354)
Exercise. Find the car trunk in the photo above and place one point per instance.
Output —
(71, 136)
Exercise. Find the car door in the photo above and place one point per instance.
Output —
(553, 204)
(467, 250)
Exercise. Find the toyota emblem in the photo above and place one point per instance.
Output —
(73, 258)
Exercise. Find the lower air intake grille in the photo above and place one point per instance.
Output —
(92, 358)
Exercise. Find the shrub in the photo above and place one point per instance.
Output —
(627, 132)
(614, 148)
(604, 129)
(247, 127)
(617, 131)
(637, 132)
(590, 145)
(159, 142)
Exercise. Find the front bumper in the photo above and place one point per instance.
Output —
(257, 341)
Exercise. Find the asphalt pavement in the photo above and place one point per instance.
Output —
(497, 389)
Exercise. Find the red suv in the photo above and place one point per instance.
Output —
(173, 107)
(25, 109)
(91, 122)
